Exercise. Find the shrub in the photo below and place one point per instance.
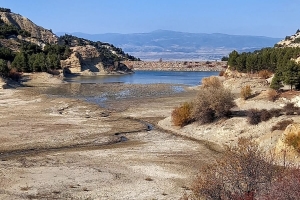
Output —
(272, 95)
(211, 81)
(222, 73)
(246, 92)
(287, 186)
(289, 108)
(293, 139)
(275, 112)
(264, 74)
(212, 103)
(14, 74)
(242, 172)
(181, 116)
(265, 115)
(298, 111)
(254, 116)
(282, 125)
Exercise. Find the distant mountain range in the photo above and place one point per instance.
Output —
(172, 45)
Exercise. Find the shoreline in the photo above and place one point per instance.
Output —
(177, 65)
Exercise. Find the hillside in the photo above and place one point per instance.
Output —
(172, 45)
(27, 47)
(290, 41)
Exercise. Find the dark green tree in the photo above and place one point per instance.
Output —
(232, 59)
(40, 62)
(276, 83)
(20, 62)
(291, 74)
(52, 61)
(3, 68)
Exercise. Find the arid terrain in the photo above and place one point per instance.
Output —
(53, 147)
(115, 141)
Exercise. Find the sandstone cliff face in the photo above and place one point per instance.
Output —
(36, 31)
(87, 61)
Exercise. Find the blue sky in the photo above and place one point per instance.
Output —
(273, 18)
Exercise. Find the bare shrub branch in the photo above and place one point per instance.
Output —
(212, 103)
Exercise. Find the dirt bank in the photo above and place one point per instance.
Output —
(56, 145)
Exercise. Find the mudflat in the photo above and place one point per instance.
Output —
(81, 141)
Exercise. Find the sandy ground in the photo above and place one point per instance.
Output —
(113, 141)
(53, 147)
(226, 132)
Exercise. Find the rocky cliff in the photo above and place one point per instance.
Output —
(38, 34)
(290, 41)
(74, 55)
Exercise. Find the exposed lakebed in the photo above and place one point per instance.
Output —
(114, 91)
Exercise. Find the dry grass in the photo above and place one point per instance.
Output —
(264, 74)
(211, 81)
(181, 116)
(293, 139)
(272, 95)
(246, 92)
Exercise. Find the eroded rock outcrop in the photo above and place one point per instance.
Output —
(87, 60)
(38, 33)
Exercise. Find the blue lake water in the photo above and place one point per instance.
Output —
(147, 77)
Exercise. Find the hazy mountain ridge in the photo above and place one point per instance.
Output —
(172, 45)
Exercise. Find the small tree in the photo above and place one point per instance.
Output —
(291, 74)
(276, 83)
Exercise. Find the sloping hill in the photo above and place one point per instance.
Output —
(27, 47)
(290, 41)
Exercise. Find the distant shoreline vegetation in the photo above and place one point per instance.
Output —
(280, 61)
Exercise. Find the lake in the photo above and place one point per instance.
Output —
(147, 77)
